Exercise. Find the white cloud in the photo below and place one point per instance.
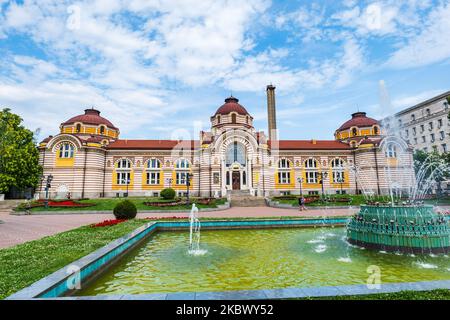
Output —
(429, 46)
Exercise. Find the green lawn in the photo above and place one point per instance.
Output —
(26, 263)
(357, 200)
(105, 204)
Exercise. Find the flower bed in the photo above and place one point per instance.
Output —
(166, 204)
(62, 204)
(107, 223)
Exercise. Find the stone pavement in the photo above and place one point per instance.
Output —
(19, 229)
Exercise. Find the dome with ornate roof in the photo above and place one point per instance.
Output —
(90, 123)
(231, 105)
(90, 116)
(359, 126)
(359, 119)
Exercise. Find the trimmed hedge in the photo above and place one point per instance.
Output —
(125, 210)
(168, 194)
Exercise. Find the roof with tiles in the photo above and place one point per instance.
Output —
(126, 144)
(90, 116)
(231, 105)
(310, 145)
(359, 119)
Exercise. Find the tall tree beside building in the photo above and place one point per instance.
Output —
(19, 157)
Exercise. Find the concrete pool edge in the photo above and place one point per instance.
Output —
(57, 284)
(273, 294)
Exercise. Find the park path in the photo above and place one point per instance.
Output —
(19, 229)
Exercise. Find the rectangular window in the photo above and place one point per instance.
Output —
(153, 178)
(414, 131)
(444, 148)
(181, 177)
(123, 178)
(284, 177)
(432, 137)
(442, 135)
(422, 128)
(338, 177)
(430, 126)
(406, 133)
(424, 139)
(312, 177)
(313, 193)
(440, 123)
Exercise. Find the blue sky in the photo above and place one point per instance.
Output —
(160, 69)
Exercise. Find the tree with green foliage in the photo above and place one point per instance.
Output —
(19, 157)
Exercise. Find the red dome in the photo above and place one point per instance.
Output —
(231, 105)
(90, 116)
(359, 119)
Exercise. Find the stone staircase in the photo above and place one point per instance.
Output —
(243, 198)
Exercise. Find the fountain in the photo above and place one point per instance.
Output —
(405, 224)
(194, 233)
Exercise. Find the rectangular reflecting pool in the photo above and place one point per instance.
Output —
(251, 259)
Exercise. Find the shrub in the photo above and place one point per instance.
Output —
(125, 210)
(168, 194)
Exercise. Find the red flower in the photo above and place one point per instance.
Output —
(107, 223)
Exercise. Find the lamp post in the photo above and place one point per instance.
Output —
(323, 175)
(48, 185)
(188, 184)
(341, 181)
(300, 181)
(127, 182)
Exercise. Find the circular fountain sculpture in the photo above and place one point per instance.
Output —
(408, 229)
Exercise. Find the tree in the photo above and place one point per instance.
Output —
(19, 157)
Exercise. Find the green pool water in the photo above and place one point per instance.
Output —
(258, 259)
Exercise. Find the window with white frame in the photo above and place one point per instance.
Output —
(312, 175)
(153, 178)
(153, 164)
(181, 177)
(284, 164)
(391, 151)
(182, 164)
(123, 164)
(66, 151)
(337, 166)
(123, 178)
(123, 174)
(284, 177)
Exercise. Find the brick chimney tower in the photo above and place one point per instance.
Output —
(271, 112)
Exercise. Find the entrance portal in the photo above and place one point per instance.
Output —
(236, 180)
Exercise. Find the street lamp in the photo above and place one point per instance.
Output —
(127, 182)
(300, 181)
(48, 185)
(341, 181)
(323, 175)
(188, 184)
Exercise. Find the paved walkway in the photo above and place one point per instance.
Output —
(19, 229)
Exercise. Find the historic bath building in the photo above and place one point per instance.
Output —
(89, 159)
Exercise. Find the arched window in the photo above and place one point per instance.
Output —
(354, 131)
(218, 119)
(337, 166)
(391, 151)
(78, 128)
(66, 151)
(312, 175)
(123, 164)
(102, 130)
(311, 164)
(235, 153)
(182, 164)
(153, 164)
(376, 130)
(246, 120)
(153, 174)
(284, 164)
(353, 144)
(233, 118)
